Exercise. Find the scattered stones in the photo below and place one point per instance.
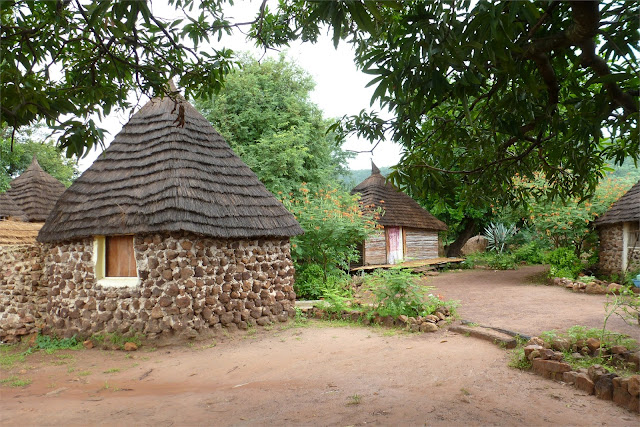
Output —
(130, 346)
(88, 344)
(428, 327)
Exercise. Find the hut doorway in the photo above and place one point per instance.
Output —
(395, 251)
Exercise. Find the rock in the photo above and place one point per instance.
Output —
(618, 349)
(584, 383)
(595, 289)
(621, 397)
(604, 387)
(130, 346)
(593, 344)
(595, 372)
(535, 354)
(550, 368)
(431, 318)
(569, 377)
(614, 288)
(402, 319)
(88, 344)
(536, 341)
(547, 353)
(560, 344)
(475, 244)
(633, 385)
(530, 348)
(428, 327)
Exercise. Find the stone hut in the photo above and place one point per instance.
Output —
(619, 232)
(168, 232)
(31, 196)
(410, 231)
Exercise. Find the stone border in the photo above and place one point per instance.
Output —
(595, 380)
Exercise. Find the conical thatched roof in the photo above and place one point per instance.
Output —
(18, 232)
(626, 208)
(32, 195)
(168, 170)
(9, 208)
(399, 209)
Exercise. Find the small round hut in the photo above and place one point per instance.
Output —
(410, 231)
(168, 232)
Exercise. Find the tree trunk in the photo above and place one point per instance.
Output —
(453, 250)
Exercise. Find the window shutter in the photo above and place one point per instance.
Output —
(120, 258)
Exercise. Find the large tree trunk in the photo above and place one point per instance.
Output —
(453, 250)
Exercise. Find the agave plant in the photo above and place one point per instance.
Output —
(498, 235)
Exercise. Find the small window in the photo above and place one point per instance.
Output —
(115, 261)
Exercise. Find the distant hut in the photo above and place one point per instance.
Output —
(410, 231)
(31, 196)
(168, 231)
(619, 231)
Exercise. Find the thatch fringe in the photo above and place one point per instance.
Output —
(18, 232)
(399, 209)
(156, 177)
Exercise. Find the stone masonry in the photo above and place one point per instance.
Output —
(611, 241)
(22, 302)
(188, 285)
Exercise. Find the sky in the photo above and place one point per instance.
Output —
(340, 86)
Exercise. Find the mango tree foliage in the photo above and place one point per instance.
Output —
(64, 61)
(265, 113)
(483, 90)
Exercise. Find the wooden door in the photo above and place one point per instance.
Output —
(394, 239)
(120, 260)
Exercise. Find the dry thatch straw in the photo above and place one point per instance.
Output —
(168, 170)
(399, 209)
(32, 195)
(18, 232)
(625, 209)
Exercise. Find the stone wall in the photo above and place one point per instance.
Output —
(189, 285)
(22, 303)
(610, 253)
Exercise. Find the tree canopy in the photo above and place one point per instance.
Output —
(480, 91)
(265, 113)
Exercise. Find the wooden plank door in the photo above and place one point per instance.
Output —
(120, 260)
(394, 239)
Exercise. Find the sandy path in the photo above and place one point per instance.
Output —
(302, 376)
(511, 300)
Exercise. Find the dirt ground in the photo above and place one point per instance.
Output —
(517, 300)
(323, 374)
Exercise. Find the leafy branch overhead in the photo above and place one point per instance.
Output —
(487, 89)
(478, 90)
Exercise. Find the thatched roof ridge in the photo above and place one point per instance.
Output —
(625, 209)
(159, 177)
(18, 232)
(399, 209)
(32, 195)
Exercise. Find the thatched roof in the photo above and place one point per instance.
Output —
(625, 209)
(9, 208)
(168, 170)
(399, 209)
(32, 195)
(18, 232)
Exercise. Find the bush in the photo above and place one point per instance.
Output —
(531, 253)
(502, 261)
(498, 236)
(397, 292)
(309, 281)
(333, 223)
(564, 263)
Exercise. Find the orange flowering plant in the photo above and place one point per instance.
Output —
(568, 223)
(334, 225)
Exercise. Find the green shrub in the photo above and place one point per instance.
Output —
(531, 253)
(397, 292)
(309, 281)
(564, 263)
(502, 261)
(498, 236)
